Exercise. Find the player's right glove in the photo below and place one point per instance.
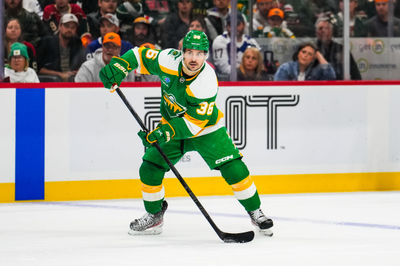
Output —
(114, 72)
(163, 133)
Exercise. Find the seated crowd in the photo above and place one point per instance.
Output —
(70, 40)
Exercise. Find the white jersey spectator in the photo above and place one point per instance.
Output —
(221, 47)
(33, 6)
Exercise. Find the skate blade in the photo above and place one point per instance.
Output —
(266, 232)
(156, 230)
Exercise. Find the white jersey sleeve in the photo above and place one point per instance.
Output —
(221, 54)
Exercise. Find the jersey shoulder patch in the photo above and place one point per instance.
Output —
(169, 60)
(205, 85)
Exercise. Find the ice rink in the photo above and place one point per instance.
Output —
(310, 229)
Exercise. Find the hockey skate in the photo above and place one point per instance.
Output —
(262, 222)
(149, 224)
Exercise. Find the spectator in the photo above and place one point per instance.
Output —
(89, 71)
(196, 23)
(251, 67)
(308, 64)
(141, 33)
(260, 19)
(333, 51)
(159, 9)
(127, 12)
(299, 17)
(216, 18)
(89, 6)
(176, 25)
(52, 14)
(105, 6)
(61, 55)
(275, 27)
(13, 34)
(200, 7)
(377, 26)
(33, 6)
(32, 26)
(356, 18)
(18, 69)
(108, 23)
(221, 44)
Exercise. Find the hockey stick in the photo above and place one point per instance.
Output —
(226, 237)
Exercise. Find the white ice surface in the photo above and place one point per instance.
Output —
(310, 229)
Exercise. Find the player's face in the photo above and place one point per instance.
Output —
(194, 59)
(13, 30)
(306, 56)
(18, 63)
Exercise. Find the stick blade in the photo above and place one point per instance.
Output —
(237, 237)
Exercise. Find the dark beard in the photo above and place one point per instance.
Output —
(140, 38)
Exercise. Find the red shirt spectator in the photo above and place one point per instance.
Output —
(52, 14)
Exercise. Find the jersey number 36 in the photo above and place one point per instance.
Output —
(205, 107)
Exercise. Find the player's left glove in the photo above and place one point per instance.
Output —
(161, 134)
(114, 72)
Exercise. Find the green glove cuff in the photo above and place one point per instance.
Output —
(121, 64)
(114, 72)
(162, 133)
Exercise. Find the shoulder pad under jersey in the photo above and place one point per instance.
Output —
(205, 85)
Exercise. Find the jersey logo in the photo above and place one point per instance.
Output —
(165, 80)
(175, 108)
(175, 53)
(196, 37)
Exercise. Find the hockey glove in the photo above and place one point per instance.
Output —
(114, 72)
(161, 134)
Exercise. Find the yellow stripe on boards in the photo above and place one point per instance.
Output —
(7, 192)
(210, 186)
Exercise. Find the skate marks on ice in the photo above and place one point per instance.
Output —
(309, 229)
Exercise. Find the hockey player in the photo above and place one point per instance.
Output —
(190, 122)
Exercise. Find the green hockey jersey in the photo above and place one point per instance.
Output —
(187, 104)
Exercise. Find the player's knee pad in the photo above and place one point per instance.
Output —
(234, 171)
(151, 174)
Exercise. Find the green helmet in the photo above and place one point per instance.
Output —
(196, 40)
